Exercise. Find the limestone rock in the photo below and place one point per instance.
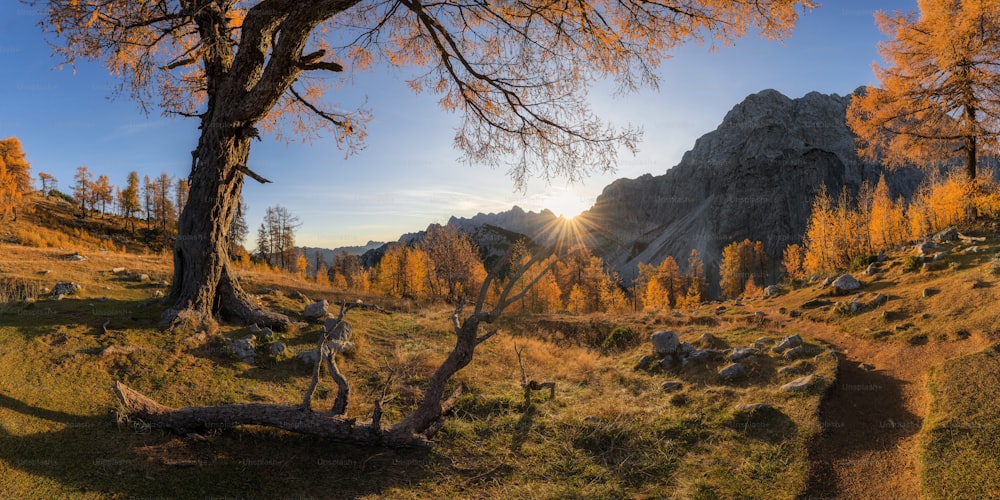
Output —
(788, 343)
(927, 248)
(672, 385)
(308, 357)
(845, 283)
(733, 371)
(801, 384)
(741, 353)
(316, 311)
(772, 291)
(244, 348)
(664, 342)
(950, 234)
(65, 288)
(278, 349)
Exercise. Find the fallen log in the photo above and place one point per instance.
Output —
(290, 418)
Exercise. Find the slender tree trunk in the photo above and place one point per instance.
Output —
(970, 158)
(204, 281)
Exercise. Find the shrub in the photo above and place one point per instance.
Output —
(911, 263)
(620, 338)
(55, 193)
(861, 262)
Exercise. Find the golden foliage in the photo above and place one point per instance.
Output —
(937, 92)
(742, 263)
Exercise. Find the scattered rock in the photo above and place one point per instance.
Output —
(950, 234)
(927, 248)
(158, 294)
(881, 256)
(720, 309)
(939, 256)
(700, 356)
(244, 348)
(879, 300)
(797, 352)
(772, 291)
(342, 346)
(644, 363)
(118, 270)
(708, 340)
(845, 283)
(872, 269)
(668, 363)
(795, 313)
(76, 257)
(162, 284)
(316, 311)
(801, 384)
(297, 295)
(815, 303)
(677, 314)
(278, 349)
(254, 329)
(761, 343)
(308, 357)
(829, 281)
(797, 368)
(686, 349)
(664, 342)
(733, 371)
(65, 288)
(788, 343)
(866, 367)
(671, 386)
(928, 292)
(741, 353)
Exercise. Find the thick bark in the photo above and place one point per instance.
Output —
(204, 281)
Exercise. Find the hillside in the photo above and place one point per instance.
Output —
(610, 431)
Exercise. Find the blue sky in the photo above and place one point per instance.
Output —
(409, 175)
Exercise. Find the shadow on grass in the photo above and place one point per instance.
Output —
(91, 454)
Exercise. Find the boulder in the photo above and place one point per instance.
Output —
(879, 300)
(762, 343)
(927, 248)
(872, 269)
(118, 270)
(254, 329)
(686, 348)
(733, 371)
(342, 346)
(668, 363)
(741, 353)
(797, 352)
(644, 363)
(664, 342)
(929, 292)
(788, 343)
(866, 367)
(815, 303)
(278, 349)
(845, 283)
(338, 330)
(672, 385)
(708, 340)
(316, 311)
(76, 257)
(801, 384)
(950, 234)
(754, 407)
(65, 288)
(308, 357)
(939, 256)
(244, 348)
(772, 291)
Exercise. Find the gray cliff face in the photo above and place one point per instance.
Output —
(754, 177)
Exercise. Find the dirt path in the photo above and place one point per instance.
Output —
(871, 418)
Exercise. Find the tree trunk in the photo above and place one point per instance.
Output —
(204, 281)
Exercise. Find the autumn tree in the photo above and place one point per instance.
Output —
(16, 163)
(83, 189)
(181, 191)
(518, 73)
(128, 199)
(276, 237)
(148, 194)
(103, 193)
(458, 271)
(48, 182)
(937, 90)
(10, 195)
(697, 282)
(742, 263)
(238, 231)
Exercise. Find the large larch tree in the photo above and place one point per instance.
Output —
(937, 94)
(516, 71)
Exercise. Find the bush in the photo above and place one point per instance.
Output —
(912, 263)
(620, 338)
(55, 193)
(861, 262)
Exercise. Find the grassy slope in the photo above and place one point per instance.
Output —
(960, 456)
(610, 431)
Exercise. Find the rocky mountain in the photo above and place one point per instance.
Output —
(329, 253)
(753, 177)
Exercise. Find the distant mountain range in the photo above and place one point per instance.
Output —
(754, 177)
(329, 253)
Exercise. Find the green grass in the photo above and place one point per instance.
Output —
(959, 452)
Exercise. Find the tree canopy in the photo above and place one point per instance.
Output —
(517, 71)
(938, 90)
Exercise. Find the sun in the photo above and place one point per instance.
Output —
(567, 203)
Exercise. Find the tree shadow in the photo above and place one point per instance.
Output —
(91, 454)
(522, 428)
(863, 417)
